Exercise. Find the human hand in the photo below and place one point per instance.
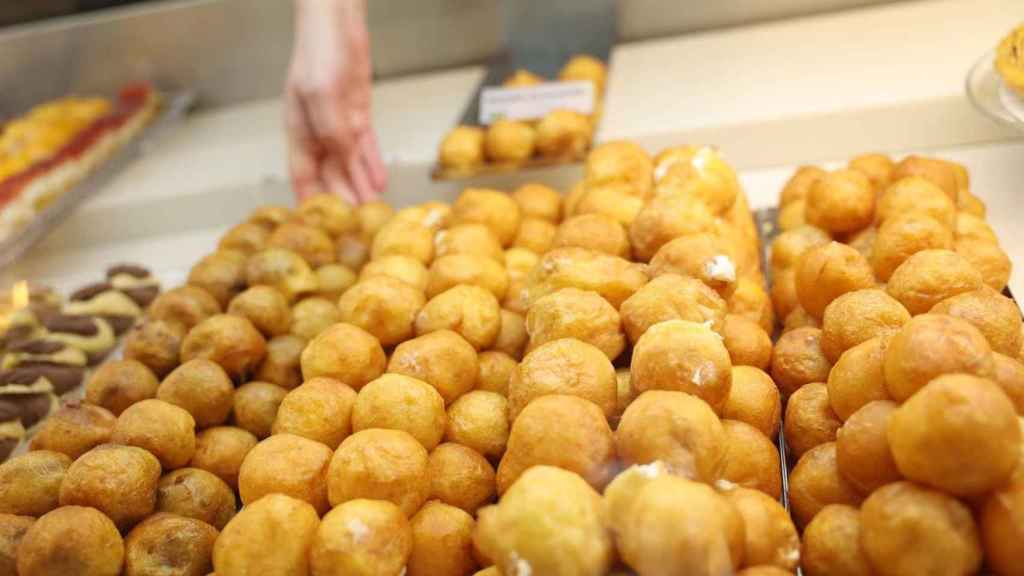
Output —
(332, 146)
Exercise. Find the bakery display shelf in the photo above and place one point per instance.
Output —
(173, 107)
(990, 95)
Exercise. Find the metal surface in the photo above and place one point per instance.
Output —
(173, 108)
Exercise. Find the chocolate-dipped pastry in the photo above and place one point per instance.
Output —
(104, 301)
(36, 376)
(11, 433)
(135, 282)
(29, 407)
(42, 351)
(90, 334)
(22, 325)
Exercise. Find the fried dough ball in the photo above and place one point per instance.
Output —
(535, 234)
(751, 301)
(286, 464)
(751, 459)
(746, 342)
(559, 430)
(361, 538)
(30, 483)
(519, 262)
(383, 306)
(272, 535)
(202, 388)
(791, 216)
(809, 419)
(684, 356)
(677, 428)
(1002, 528)
(974, 228)
(403, 237)
(344, 352)
(479, 420)
(328, 212)
(71, 540)
(281, 364)
(705, 257)
(442, 359)
(221, 273)
(613, 199)
(255, 407)
(958, 433)
(245, 237)
(398, 402)
(196, 493)
(877, 167)
(563, 134)
(862, 448)
(549, 520)
(160, 427)
(468, 239)
(620, 161)
(754, 399)
(333, 280)
(597, 232)
(12, 530)
(231, 341)
(460, 477)
(841, 202)
(155, 343)
(471, 269)
(904, 235)
(265, 307)
(665, 218)
(826, 272)
(583, 67)
(537, 200)
(74, 429)
(312, 244)
(119, 481)
(471, 311)
(221, 450)
(988, 259)
(462, 148)
(789, 246)
(564, 366)
(995, 315)
(442, 541)
(312, 316)
(372, 216)
(697, 171)
(496, 370)
(513, 337)
(908, 529)
(574, 313)
(858, 378)
(930, 276)
(434, 215)
(492, 208)
(799, 318)
(674, 522)
(1008, 373)
(864, 241)
(931, 345)
(784, 297)
(509, 141)
(117, 384)
(166, 544)
(799, 184)
(270, 216)
(615, 279)
(672, 297)
(770, 537)
(858, 316)
(831, 544)
(320, 409)
(815, 482)
(404, 268)
(281, 269)
(186, 305)
(915, 195)
(763, 571)
(939, 172)
(967, 203)
(383, 464)
(353, 250)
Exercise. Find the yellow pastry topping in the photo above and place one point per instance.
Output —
(1010, 60)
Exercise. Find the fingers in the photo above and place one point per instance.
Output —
(370, 152)
(337, 182)
(359, 178)
(303, 152)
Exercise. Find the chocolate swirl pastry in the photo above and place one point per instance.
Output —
(90, 334)
(42, 351)
(11, 433)
(42, 376)
(29, 407)
(105, 301)
(135, 282)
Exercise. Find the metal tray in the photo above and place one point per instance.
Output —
(173, 107)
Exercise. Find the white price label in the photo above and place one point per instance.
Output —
(533, 102)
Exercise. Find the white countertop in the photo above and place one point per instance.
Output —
(771, 96)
